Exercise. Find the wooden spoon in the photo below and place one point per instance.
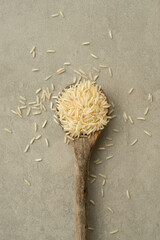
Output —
(82, 148)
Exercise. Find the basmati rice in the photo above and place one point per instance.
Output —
(82, 109)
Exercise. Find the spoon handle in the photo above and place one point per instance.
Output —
(82, 153)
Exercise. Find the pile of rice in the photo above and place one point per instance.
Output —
(82, 109)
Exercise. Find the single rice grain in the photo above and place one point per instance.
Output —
(27, 182)
(134, 142)
(147, 133)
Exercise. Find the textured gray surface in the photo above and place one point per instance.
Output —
(46, 209)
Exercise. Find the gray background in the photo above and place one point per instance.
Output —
(46, 209)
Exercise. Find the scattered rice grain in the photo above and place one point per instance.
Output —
(48, 77)
(32, 140)
(110, 209)
(141, 118)
(103, 66)
(102, 192)
(93, 176)
(27, 182)
(90, 228)
(23, 98)
(101, 148)
(115, 231)
(38, 159)
(130, 90)
(103, 182)
(100, 162)
(96, 77)
(93, 180)
(110, 34)
(109, 145)
(134, 142)
(52, 87)
(51, 51)
(128, 194)
(94, 56)
(38, 137)
(147, 133)
(146, 111)
(109, 157)
(27, 148)
(108, 138)
(28, 111)
(44, 124)
(67, 63)
(86, 43)
(47, 142)
(35, 70)
(92, 202)
(32, 103)
(102, 175)
(32, 50)
(22, 102)
(34, 54)
(62, 14)
(55, 15)
(23, 107)
(130, 119)
(8, 130)
(96, 69)
(35, 127)
(150, 97)
(14, 112)
(61, 70)
(56, 121)
(115, 130)
(110, 72)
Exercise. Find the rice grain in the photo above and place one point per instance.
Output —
(32, 50)
(131, 120)
(110, 72)
(47, 142)
(38, 159)
(110, 209)
(110, 34)
(38, 137)
(146, 111)
(61, 70)
(92, 202)
(67, 63)
(28, 111)
(55, 15)
(130, 90)
(94, 56)
(62, 14)
(35, 70)
(128, 194)
(27, 182)
(141, 118)
(102, 175)
(27, 148)
(109, 145)
(86, 43)
(102, 192)
(8, 130)
(134, 142)
(109, 157)
(48, 77)
(115, 231)
(147, 133)
(51, 51)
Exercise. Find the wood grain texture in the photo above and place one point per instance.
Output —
(82, 149)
